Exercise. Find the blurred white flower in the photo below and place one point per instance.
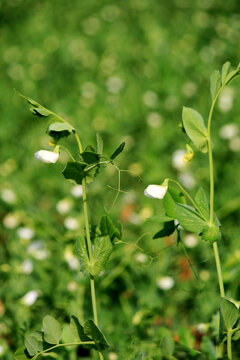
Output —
(141, 258)
(155, 191)
(71, 259)
(234, 144)
(202, 328)
(189, 89)
(8, 196)
(27, 266)
(25, 233)
(178, 159)
(1, 349)
(11, 221)
(190, 240)
(165, 282)
(229, 131)
(114, 84)
(30, 297)
(64, 206)
(226, 100)
(76, 191)
(187, 179)
(154, 119)
(71, 223)
(47, 156)
(72, 286)
(150, 98)
(112, 356)
(38, 250)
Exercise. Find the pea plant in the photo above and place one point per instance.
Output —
(94, 247)
(196, 215)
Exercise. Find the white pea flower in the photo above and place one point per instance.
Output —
(30, 297)
(156, 191)
(27, 266)
(25, 233)
(71, 223)
(165, 282)
(49, 157)
(76, 191)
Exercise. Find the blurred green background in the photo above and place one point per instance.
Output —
(123, 69)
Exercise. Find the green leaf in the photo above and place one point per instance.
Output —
(83, 255)
(78, 332)
(99, 144)
(21, 354)
(39, 336)
(236, 335)
(107, 228)
(195, 127)
(36, 108)
(90, 157)
(202, 203)
(159, 219)
(74, 171)
(225, 71)
(168, 228)
(208, 348)
(167, 346)
(58, 130)
(185, 337)
(31, 345)
(90, 329)
(101, 253)
(172, 196)
(52, 330)
(188, 218)
(229, 312)
(118, 151)
(215, 83)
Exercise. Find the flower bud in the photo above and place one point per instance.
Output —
(189, 154)
(211, 234)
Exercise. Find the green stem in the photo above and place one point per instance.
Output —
(211, 176)
(229, 344)
(67, 344)
(89, 243)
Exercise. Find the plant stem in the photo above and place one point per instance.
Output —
(211, 176)
(229, 344)
(89, 243)
(68, 344)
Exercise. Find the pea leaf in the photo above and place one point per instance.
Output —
(229, 312)
(171, 197)
(189, 218)
(90, 157)
(58, 130)
(90, 329)
(108, 228)
(117, 151)
(21, 354)
(195, 127)
(202, 203)
(167, 346)
(78, 332)
(168, 229)
(52, 330)
(215, 83)
(74, 171)
(85, 264)
(225, 71)
(101, 253)
(31, 345)
(36, 108)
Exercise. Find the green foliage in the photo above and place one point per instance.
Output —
(195, 128)
(107, 228)
(90, 329)
(85, 264)
(101, 253)
(229, 313)
(202, 203)
(52, 330)
(215, 83)
(168, 229)
(58, 130)
(117, 151)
